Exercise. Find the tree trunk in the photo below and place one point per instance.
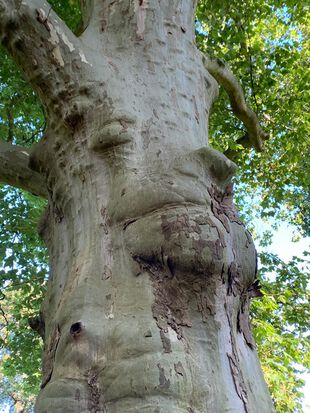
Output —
(151, 268)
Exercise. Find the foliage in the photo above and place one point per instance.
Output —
(265, 44)
(280, 326)
(22, 279)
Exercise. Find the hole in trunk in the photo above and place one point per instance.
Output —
(76, 329)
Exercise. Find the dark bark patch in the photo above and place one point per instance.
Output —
(238, 381)
(58, 214)
(203, 306)
(243, 321)
(179, 369)
(255, 290)
(199, 245)
(216, 248)
(171, 266)
(243, 325)
(168, 227)
(77, 395)
(43, 19)
(107, 273)
(234, 362)
(233, 279)
(94, 403)
(218, 212)
(171, 297)
(164, 383)
(223, 207)
(37, 324)
(166, 342)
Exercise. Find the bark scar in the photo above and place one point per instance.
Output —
(50, 356)
(140, 20)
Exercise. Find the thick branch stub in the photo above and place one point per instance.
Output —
(230, 83)
(14, 170)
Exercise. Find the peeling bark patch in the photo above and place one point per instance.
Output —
(171, 299)
(234, 364)
(203, 306)
(244, 327)
(58, 57)
(107, 273)
(83, 58)
(172, 296)
(164, 383)
(200, 244)
(233, 279)
(54, 39)
(104, 224)
(169, 227)
(255, 290)
(243, 321)
(179, 369)
(222, 205)
(166, 342)
(42, 18)
(67, 42)
(238, 381)
(94, 403)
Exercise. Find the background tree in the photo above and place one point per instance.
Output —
(264, 43)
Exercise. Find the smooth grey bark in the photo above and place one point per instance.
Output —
(151, 268)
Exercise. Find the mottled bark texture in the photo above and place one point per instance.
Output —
(151, 268)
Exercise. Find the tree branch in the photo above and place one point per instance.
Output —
(227, 79)
(48, 53)
(14, 170)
